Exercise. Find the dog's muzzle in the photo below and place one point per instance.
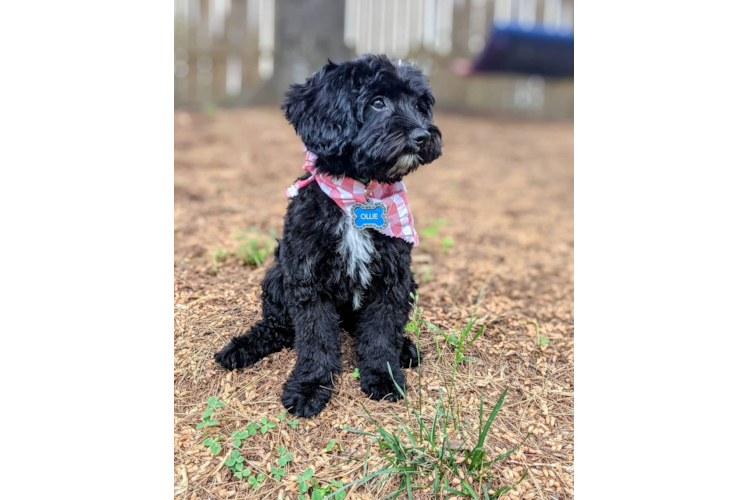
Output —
(405, 164)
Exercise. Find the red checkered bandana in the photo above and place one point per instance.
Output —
(346, 191)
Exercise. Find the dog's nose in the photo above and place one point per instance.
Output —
(420, 136)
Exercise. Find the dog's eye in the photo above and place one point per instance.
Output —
(377, 103)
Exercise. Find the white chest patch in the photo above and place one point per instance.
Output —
(357, 251)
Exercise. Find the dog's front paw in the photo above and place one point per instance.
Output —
(381, 386)
(236, 354)
(305, 399)
(409, 354)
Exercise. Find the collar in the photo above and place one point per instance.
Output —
(347, 191)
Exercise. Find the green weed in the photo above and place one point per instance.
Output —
(331, 445)
(216, 256)
(459, 340)
(284, 456)
(265, 425)
(254, 482)
(356, 373)
(254, 246)
(319, 492)
(432, 231)
(434, 226)
(236, 463)
(238, 437)
(277, 472)
(541, 340)
(207, 419)
(291, 423)
(304, 480)
(214, 447)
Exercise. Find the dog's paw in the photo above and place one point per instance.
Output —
(236, 355)
(382, 386)
(305, 399)
(409, 354)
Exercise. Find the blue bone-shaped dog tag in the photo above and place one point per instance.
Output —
(369, 215)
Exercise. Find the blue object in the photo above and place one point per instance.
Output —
(373, 215)
(617, 53)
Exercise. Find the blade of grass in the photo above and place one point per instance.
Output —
(407, 487)
(503, 456)
(470, 490)
(435, 487)
(395, 493)
(504, 489)
(484, 431)
(356, 431)
(404, 427)
(476, 335)
(456, 492)
(371, 476)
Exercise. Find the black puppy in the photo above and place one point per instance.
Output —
(367, 119)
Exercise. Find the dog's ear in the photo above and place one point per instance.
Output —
(322, 111)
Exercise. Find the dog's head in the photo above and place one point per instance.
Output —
(370, 118)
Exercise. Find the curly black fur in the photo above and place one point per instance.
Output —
(370, 118)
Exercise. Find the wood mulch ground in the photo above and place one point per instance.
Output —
(506, 192)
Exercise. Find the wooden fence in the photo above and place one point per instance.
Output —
(247, 52)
